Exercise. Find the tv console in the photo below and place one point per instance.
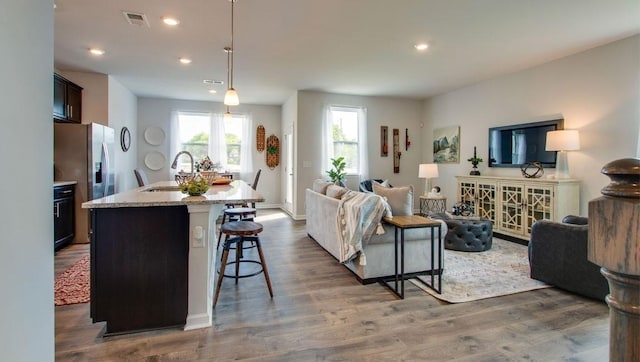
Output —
(513, 204)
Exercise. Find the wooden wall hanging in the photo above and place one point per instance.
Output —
(260, 138)
(406, 139)
(384, 146)
(396, 150)
(273, 152)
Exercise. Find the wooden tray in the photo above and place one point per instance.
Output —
(221, 181)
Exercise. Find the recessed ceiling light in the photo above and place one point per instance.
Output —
(213, 91)
(96, 51)
(170, 21)
(185, 60)
(421, 46)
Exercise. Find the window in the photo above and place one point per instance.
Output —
(206, 134)
(345, 131)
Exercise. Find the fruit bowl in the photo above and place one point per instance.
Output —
(192, 185)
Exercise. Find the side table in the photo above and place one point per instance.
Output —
(401, 224)
(432, 204)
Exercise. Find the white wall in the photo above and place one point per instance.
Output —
(393, 112)
(157, 112)
(596, 91)
(123, 112)
(26, 142)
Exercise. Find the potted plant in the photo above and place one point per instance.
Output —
(337, 173)
(475, 161)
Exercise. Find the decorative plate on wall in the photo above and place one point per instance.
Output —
(154, 160)
(273, 152)
(154, 136)
(260, 133)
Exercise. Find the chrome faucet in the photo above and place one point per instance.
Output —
(174, 165)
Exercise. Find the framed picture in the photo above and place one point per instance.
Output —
(446, 145)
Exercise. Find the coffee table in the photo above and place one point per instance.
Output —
(401, 224)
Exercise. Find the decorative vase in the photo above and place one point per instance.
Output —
(475, 171)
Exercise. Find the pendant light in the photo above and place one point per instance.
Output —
(231, 96)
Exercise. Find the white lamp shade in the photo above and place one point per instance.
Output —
(564, 140)
(428, 170)
(231, 97)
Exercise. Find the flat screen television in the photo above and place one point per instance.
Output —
(516, 145)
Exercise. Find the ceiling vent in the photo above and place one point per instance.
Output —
(214, 82)
(136, 18)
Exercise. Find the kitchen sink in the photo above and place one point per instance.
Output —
(161, 189)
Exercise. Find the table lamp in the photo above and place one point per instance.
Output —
(427, 171)
(562, 141)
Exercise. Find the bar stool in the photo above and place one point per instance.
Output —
(236, 214)
(237, 232)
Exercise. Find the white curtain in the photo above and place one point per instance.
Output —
(217, 141)
(363, 150)
(327, 141)
(174, 136)
(246, 156)
(327, 144)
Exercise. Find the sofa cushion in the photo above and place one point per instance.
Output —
(384, 183)
(336, 191)
(320, 186)
(400, 199)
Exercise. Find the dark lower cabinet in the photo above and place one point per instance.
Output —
(63, 215)
(139, 267)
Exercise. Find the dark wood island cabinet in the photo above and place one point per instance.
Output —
(139, 267)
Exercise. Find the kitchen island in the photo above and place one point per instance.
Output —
(153, 255)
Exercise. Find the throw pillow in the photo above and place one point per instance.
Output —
(384, 183)
(400, 199)
(320, 186)
(336, 191)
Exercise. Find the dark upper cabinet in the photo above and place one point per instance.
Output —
(67, 100)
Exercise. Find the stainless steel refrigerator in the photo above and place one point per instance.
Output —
(84, 153)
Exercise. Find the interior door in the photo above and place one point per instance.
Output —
(289, 169)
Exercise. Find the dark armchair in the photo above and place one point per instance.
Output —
(558, 256)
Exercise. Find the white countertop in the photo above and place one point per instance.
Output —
(64, 183)
(235, 192)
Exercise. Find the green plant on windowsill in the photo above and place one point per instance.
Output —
(337, 173)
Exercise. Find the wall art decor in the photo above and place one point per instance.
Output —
(384, 145)
(396, 150)
(273, 152)
(260, 133)
(406, 139)
(446, 145)
(125, 139)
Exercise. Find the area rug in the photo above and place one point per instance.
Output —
(501, 270)
(72, 286)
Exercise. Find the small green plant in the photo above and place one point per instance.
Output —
(337, 173)
(475, 160)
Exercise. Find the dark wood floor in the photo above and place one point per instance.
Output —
(320, 312)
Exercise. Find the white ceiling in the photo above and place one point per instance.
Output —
(362, 47)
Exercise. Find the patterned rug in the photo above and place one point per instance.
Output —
(501, 270)
(72, 286)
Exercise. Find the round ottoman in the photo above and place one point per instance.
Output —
(467, 234)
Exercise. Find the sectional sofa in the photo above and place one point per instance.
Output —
(322, 202)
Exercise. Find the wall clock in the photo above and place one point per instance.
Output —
(125, 139)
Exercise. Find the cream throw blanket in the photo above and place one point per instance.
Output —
(359, 214)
